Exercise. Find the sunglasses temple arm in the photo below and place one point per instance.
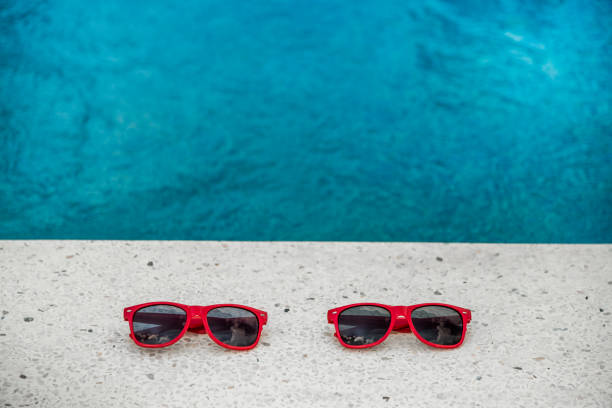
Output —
(263, 316)
(468, 315)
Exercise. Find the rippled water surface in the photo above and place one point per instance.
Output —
(306, 120)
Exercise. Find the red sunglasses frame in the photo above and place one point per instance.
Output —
(401, 321)
(195, 322)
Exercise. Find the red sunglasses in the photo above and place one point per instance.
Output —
(160, 324)
(362, 325)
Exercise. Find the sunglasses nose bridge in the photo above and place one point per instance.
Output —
(401, 323)
(196, 324)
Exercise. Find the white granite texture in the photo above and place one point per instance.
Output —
(541, 333)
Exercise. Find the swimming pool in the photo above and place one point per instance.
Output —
(306, 120)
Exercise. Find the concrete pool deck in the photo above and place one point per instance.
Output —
(541, 330)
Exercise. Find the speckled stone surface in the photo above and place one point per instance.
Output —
(541, 333)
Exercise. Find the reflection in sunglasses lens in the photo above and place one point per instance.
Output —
(158, 324)
(233, 326)
(361, 325)
(438, 324)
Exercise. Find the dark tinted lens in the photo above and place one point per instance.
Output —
(233, 326)
(438, 324)
(158, 324)
(361, 325)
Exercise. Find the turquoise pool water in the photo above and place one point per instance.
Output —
(306, 120)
